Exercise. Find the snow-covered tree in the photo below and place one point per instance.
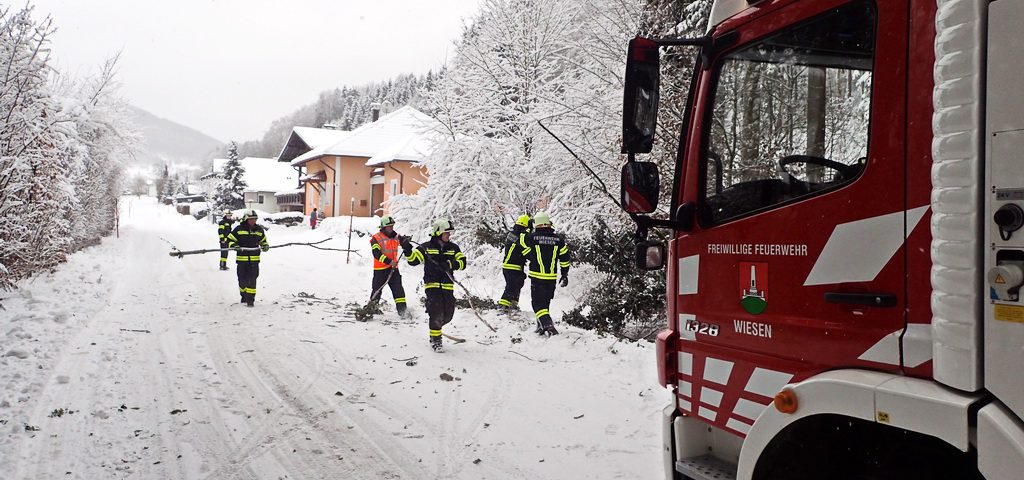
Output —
(171, 188)
(519, 63)
(161, 182)
(36, 196)
(105, 139)
(230, 194)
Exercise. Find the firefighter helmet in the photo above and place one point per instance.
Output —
(249, 214)
(386, 221)
(228, 214)
(541, 218)
(442, 225)
(524, 221)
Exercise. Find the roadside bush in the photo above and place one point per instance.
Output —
(628, 301)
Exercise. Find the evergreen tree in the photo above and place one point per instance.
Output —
(161, 183)
(230, 194)
(170, 189)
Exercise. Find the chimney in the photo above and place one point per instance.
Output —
(374, 111)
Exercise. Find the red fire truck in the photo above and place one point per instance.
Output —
(844, 253)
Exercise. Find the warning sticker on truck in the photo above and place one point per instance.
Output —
(1008, 313)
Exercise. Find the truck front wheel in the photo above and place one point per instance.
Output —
(844, 448)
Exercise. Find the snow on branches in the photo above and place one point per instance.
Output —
(521, 62)
(230, 190)
(60, 149)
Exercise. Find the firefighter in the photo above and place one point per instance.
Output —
(440, 257)
(545, 250)
(513, 263)
(384, 245)
(223, 229)
(246, 237)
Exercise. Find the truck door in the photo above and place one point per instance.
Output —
(796, 264)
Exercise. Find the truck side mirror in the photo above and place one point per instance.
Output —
(640, 187)
(650, 255)
(640, 98)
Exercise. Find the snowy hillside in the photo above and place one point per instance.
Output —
(165, 141)
(127, 362)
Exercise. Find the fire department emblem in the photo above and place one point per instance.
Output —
(754, 287)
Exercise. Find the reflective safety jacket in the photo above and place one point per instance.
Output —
(224, 229)
(385, 250)
(248, 237)
(438, 259)
(547, 252)
(513, 258)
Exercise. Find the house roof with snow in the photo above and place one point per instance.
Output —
(405, 134)
(304, 139)
(263, 174)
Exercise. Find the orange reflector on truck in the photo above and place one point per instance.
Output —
(665, 346)
(785, 401)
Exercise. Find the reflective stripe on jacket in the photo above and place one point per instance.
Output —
(223, 229)
(247, 237)
(547, 253)
(435, 256)
(385, 251)
(513, 258)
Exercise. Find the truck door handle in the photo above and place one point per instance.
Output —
(865, 299)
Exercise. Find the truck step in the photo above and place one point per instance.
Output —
(706, 467)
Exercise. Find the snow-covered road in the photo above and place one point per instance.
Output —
(126, 362)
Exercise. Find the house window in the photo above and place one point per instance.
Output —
(260, 199)
(362, 203)
(394, 187)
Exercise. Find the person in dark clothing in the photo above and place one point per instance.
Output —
(513, 263)
(545, 250)
(440, 257)
(313, 218)
(384, 245)
(245, 239)
(223, 229)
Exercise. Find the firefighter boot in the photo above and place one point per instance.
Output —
(550, 330)
(402, 309)
(223, 265)
(435, 343)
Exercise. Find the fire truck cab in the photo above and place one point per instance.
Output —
(844, 257)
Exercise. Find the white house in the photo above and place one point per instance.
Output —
(264, 179)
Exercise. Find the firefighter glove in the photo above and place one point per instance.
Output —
(453, 264)
(406, 249)
(565, 280)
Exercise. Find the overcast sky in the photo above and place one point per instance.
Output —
(230, 67)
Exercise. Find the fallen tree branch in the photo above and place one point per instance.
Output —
(179, 253)
(524, 356)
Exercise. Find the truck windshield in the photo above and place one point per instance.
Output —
(790, 114)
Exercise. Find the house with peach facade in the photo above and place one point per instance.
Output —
(358, 173)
